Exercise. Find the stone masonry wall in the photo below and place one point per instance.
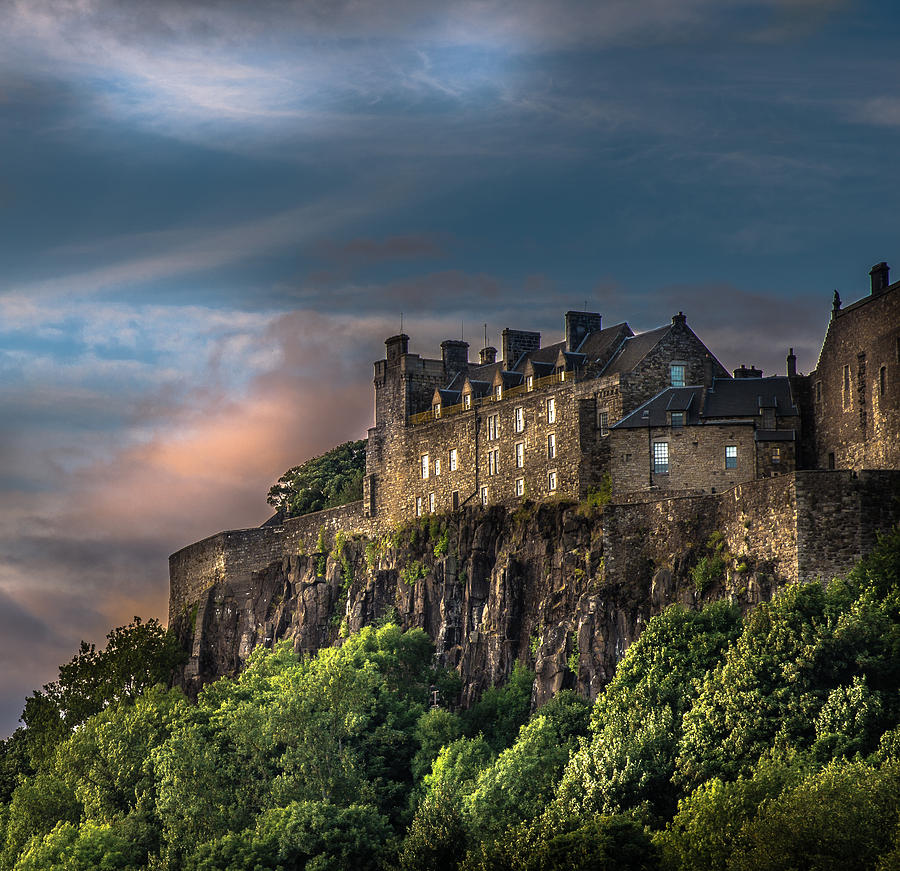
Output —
(857, 411)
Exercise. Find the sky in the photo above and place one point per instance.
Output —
(213, 213)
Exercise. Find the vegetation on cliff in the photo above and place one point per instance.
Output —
(768, 742)
(334, 478)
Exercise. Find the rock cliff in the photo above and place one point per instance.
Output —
(489, 586)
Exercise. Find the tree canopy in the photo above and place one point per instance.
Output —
(332, 479)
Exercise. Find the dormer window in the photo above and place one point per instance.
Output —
(436, 408)
(768, 418)
(677, 418)
(677, 374)
(498, 392)
(467, 401)
(529, 383)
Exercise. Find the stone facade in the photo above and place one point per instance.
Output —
(517, 433)
(856, 383)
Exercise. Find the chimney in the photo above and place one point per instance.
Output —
(791, 364)
(679, 320)
(578, 325)
(880, 275)
(514, 343)
(707, 370)
(488, 355)
(455, 354)
(744, 372)
(397, 346)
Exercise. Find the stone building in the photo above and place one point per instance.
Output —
(707, 438)
(856, 383)
(533, 424)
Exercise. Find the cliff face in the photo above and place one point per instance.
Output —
(489, 587)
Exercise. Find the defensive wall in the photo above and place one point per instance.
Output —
(802, 526)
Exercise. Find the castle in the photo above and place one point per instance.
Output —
(801, 469)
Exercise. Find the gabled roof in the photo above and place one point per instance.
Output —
(547, 354)
(507, 379)
(478, 388)
(730, 397)
(633, 350)
(599, 344)
(538, 369)
(568, 360)
(733, 400)
(446, 397)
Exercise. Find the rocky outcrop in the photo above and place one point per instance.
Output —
(489, 586)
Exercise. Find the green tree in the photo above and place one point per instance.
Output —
(136, 657)
(501, 711)
(628, 762)
(334, 478)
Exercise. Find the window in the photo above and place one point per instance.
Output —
(418, 506)
(730, 456)
(677, 419)
(562, 374)
(437, 466)
(493, 426)
(424, 467)
(882, 380)
(551, 446)
(493, 461)
(436, 408)
(676, 374)
(520, 419)
(831, 460)
(529, 383)
(498, 392)
(603, 422)
(660, 458)
(454, 500)
(818, 391)
(484, 495)
(551, 481)
(431, 503)
(520, 455)
(776, 455)
(768, 418)
(453, 459)
(846, 386)
(467, 401)
(551, 410)
(520, 486)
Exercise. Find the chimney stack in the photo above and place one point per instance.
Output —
(488, 355)
(880, 275)
(744, 372)
(578, 325)
(707, 370)
(455, 354)
(517, 342)
(791, 364)
(679, 320)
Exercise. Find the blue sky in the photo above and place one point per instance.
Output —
(213, 213)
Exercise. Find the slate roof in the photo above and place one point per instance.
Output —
(633, 350)
(601, 343)
(733, 400)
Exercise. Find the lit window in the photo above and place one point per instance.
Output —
(551, 481)
(437, 466)
(520, 419)
(529, 382)
(498, 391)
(493, 461)
(431, 502)
(436, 408)
(418, 506)
(562, 374)
(520, 455)
(551, 446)
(776, 455)
(660, 458)
(453, 459)
(484, 495)
(493, 424)
(730, 456)
(520, 486)
(424, 467)
(467, 401)
(603, 422)
(551, 410)
(676, 374)
(677, 418)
